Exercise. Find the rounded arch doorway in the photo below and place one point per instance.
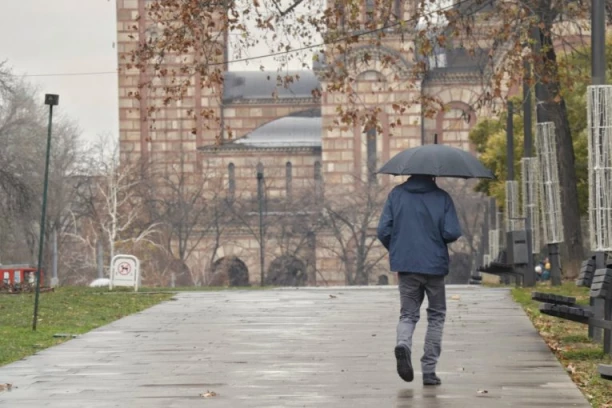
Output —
(287, 270)
(230, 271)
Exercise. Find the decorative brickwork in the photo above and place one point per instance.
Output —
(301, 175)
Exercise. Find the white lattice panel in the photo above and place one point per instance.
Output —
(500, 225)
(494, 243)
(531, 198)
(599, 108)
(546, 146)
(513, 213)
(486, 259)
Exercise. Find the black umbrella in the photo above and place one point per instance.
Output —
(438, 161)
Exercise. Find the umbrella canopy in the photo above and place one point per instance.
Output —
(438, 161)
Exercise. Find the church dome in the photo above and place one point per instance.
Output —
(298, 130)
(258, 85)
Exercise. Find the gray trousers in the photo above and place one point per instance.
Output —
(413, 287)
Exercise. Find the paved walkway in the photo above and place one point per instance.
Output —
(295, 348)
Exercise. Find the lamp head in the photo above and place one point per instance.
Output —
(51, 99)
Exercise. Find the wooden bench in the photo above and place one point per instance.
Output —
(475, 280)
(500, 267)
(587, 270)
(599, 281)
(605, 371)
(574, 313)
(554, 299)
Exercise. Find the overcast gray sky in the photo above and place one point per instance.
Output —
(44, 38)
(63, 37)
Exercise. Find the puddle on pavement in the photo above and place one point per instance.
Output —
(184, 385)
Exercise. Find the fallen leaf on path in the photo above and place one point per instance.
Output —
(209, 394)
(483, 391)
(455, 297)
(332, 296)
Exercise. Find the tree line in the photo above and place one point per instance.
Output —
(175, 221)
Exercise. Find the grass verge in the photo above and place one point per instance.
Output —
(570, 342)
(194, 289)
(70, 310)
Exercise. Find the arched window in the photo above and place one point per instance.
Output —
(372, 81)
(318, 179)
(231, 173)
(438, 58)
(371, 154)
(288, 179)
(398, 10)
(340, 12)
(370, 9)
(261, 188)
(453, 124)
(371, 75)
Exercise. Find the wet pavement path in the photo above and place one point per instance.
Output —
(295, 348)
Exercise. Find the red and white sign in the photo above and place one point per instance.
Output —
(125, 271)
(124, 268)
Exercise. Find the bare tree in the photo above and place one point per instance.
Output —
(20, 117)
(293, 226)
(20, 131)
(403, 38)
(471, 211)
(112, 200)
(190, 208)
(352, 219)
(23, 124)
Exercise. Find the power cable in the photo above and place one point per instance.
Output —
(276, 54)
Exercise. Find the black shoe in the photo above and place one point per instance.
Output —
(431, 379)
(404, 365)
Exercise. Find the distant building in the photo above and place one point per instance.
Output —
(292, 139)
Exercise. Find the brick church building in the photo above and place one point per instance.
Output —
(291, 139)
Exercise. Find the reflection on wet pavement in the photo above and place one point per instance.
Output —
(295, 348)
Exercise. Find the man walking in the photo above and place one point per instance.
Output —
(416, 225)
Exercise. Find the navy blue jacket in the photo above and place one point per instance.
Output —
(417, 223)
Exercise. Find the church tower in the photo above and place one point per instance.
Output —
(381, 71)
(152, 125)
(389, 76)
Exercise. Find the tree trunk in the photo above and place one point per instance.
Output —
(361, 275)
(557, 112)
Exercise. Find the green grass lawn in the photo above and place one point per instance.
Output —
(570, 342)
(71, 310)
(197, 289)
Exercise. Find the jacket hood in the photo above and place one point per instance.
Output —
(420, 184)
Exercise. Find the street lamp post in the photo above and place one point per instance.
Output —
(602, 308)
(529, 278)
(54, 278)
(51, 100)
(598, 42)
(261, 224)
